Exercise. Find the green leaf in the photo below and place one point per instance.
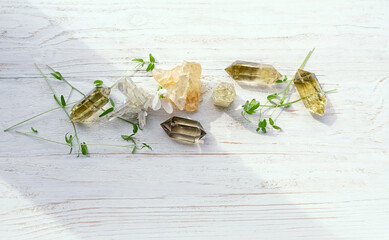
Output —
(144, 145)
(57, 75)
(272, 96)
(106, 112)
(263, 129)
(150, 67)
(84, 148)
(276, 127)
(152, 59)
(282, 100)
(56, 99)
(285, 78)
(137, 60)
(279, 81)
(129, 138)
(98, 83)
(63, 102)
(134, 128)
(271, 121)
(34, 130)
(112, 102)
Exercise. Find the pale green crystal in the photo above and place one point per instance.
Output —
(224, 94)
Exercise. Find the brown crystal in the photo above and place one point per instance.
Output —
(309, 89)
(183, 129)
(251, 72)
(182, 84)
(90, 104)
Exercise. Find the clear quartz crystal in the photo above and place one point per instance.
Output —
(309, 88)
(136, 104)
(182, 84)
(183, 129)
(224, 94)
(90, 104)
(251, 72)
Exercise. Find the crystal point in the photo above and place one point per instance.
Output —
(183, 129)
(182, 84)
(224, 94)
(90, 104)
(253, 73)
(309, 89)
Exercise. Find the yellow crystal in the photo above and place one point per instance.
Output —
(309, 89)
(224, 94)
(251, 72)
(90, 104)
(182, 84)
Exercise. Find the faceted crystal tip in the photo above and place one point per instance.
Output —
(309, 89)
(253, 73)
(183, 129)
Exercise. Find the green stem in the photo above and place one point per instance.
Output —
(41, 138)
(56, 142)
(297, 100)
(63, 108)
(68, 83)
(35, 116)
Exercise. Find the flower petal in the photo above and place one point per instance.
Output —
(167, 105)
(156, 104)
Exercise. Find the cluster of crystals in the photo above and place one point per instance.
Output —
(90, 104)
(224, 94)
(137, 102)
(253, 73)
(182, 84)
(183, 129)
(309, 89)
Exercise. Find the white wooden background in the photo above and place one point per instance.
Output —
(321, 178)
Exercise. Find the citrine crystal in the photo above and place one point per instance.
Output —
(309, 89)
(251, 72)
(90, 104)
(183, 129)
(136, 104)
(182, 84)
(224, 94)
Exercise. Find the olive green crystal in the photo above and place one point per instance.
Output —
(224, 94)
(251, 72)
(309, 89)
(183, 129)
(90, 104)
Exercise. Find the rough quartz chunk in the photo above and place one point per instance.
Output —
(224, 94)
(183, 129)
(182, 84)
(136, 104)
(90, 104)
(251, 72)
(309, 89)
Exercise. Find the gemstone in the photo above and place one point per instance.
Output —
(309, 89)
(182, 84)
(224, 94)
(253, 73)
(90, 104)
(136, 104)
(183, 129)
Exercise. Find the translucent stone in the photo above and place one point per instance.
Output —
(183, 129)
(309, 88)
(224, 94)
(136, 104)
(253, 73)
(182, 84)
(90, 104)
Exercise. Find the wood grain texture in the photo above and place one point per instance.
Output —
(320, 178)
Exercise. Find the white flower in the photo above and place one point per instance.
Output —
(160, 99)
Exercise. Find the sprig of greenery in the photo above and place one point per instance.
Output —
(150, 63)
(34, 130)
(98, 83)
(277, 100)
